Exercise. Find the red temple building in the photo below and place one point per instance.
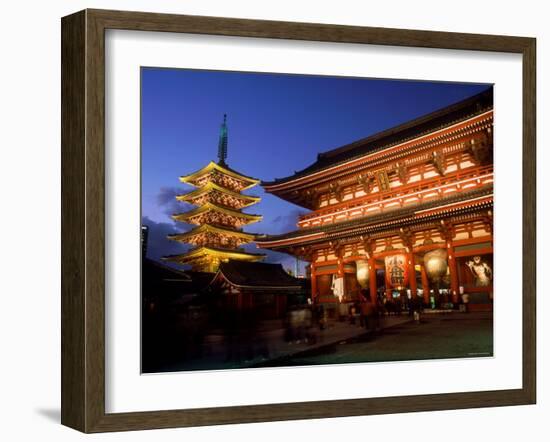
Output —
(404, 213)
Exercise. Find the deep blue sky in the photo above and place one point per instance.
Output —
(277, 125)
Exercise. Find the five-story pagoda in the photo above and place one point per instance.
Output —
(218, 215)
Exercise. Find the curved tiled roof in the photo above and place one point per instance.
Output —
(197, 251)
(223, 169)
(258, 274)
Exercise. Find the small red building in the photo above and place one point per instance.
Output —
(265, 288)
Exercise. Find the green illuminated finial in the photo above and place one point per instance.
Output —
(222, 143)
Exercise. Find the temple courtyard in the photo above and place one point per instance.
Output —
(400, 338)
(438, 336)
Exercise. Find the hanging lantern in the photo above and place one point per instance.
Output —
(362, 273)
(397, 271)
(435, 263)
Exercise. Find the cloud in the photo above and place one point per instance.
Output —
(158, 245)
(167, 195)
(166, 200)
(287, 222)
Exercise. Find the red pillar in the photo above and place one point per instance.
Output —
(453, 274)
(372, 281)
(425, 284)
(412, 275)
(341, 273)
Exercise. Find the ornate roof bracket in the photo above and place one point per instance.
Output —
(481, 148)
(365, 182)
(337, 190)
(313, 196)
(401, 169)
(338, 248)
(304, 253)
(407, 236)
(368, 244)
(445, 230)
(438, 161)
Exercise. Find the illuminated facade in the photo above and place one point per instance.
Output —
(403, 213)
(218, 218)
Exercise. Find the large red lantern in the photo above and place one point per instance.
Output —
(397, 271)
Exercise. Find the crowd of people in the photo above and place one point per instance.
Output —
(304, 323)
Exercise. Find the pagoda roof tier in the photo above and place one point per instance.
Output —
(417, 129)
(213, 193)
(222, 175)
(210, 257)
(210, 213)
(464, 203)
(210, 229)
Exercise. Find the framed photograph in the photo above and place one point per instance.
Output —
(267, 221)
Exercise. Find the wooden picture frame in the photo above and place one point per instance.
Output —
(83, 220)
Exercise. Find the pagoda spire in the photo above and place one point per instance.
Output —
(222, 143)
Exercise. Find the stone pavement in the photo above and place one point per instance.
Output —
(336, 332)
(438, 336)
(269, 344)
